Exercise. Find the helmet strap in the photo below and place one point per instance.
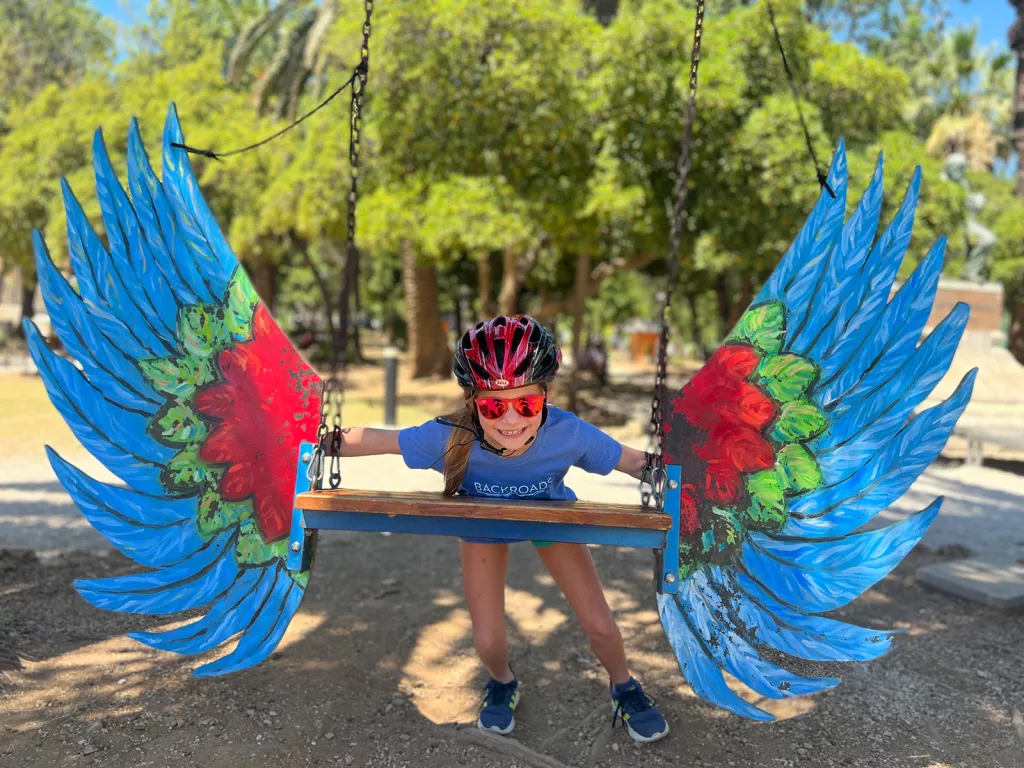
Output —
(478, 435)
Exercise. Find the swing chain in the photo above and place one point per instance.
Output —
(315, 471)
(333, 394)
(655, 476)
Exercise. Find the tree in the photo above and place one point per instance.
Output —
(751, 183)
(55, 42)
(488, 96)
(43, 44)
(393, 223)
(971, 93)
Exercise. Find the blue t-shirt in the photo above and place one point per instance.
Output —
(563, 440)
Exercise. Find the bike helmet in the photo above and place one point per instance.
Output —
(505, 353)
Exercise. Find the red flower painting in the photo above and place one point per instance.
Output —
(267, 402)
(728, 415)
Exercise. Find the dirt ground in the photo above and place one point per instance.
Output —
(378, 670)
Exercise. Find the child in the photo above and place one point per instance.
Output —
(509, 443)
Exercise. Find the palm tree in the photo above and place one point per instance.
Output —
(971, 89)
(301, 29)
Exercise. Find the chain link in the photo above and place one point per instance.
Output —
(654, 475)
(333, 393)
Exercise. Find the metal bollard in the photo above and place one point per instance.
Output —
(390, 355)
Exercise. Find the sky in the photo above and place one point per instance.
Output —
(992, 16)
(126, 11)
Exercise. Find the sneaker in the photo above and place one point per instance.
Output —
(500, 701)
(636, 709)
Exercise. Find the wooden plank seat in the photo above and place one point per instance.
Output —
(433, 504)
(475, 517)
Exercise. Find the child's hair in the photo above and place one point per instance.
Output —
(460, 443)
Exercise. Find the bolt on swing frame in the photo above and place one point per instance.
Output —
(327, 511)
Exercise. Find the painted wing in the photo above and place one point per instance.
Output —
(798, 431)
(188, 391)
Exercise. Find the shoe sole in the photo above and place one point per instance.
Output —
(496, 729)
(636, 736)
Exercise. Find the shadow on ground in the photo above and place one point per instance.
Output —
(378, 668)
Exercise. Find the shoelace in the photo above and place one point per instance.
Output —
(497, 692)
(631, 702)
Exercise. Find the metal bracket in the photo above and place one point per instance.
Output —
(667, 561)
(302, 540)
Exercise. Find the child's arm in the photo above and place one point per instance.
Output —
(632, 461)
(364, 441)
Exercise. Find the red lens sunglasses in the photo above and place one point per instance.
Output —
(494, 407)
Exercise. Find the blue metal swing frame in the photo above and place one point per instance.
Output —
(306, 523)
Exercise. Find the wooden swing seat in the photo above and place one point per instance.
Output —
(580, 522)
(392, 503)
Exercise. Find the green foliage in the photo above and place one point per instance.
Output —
(54, 42)
(522, 127)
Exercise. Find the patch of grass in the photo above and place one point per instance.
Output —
(28, 420)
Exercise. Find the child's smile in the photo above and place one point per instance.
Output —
(508, 427)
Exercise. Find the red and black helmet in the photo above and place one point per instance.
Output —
(505, 353)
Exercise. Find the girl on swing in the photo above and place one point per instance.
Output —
(509, 443)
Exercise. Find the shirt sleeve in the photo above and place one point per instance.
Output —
(423, 447)
(598, 453)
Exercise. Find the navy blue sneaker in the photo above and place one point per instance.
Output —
(500, 701)
(636, 710)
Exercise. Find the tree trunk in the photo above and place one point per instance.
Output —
(484, 288)
(428, 349)
(722, 293)
(460, 316)
(698, 329)
(264, 280)
(508, 296)
(288, 56)
(250, 37)
(1016, 40)
(580, 292)
(1015, 343)
(357, 305)
(321, 283)
(349, 285)
(28, 295)
(325, 16)
(740, 302)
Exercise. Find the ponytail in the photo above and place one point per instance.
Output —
(456, 457)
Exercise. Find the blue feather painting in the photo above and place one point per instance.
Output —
(189, 393)
(799, 430)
